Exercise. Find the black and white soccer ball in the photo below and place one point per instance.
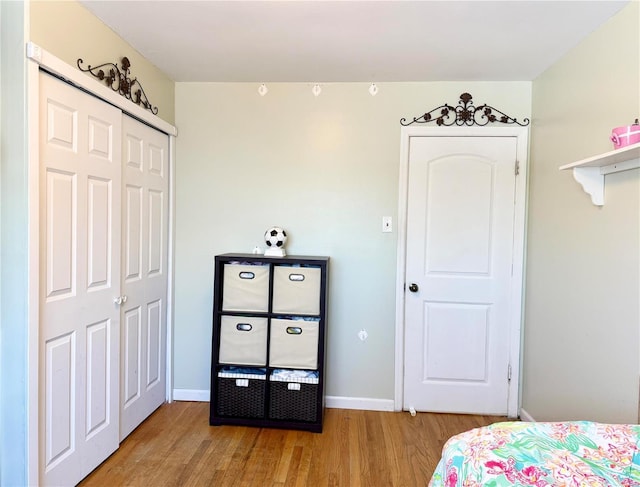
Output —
(275, 237)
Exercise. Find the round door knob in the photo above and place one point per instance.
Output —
(118, 300)
(413, 287)
(124, 298)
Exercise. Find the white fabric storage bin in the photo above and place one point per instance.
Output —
(245, 288)
(296, 290)
(243, 340)
(294, 344)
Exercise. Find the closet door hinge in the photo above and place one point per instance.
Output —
(517, 169)
(509, 373)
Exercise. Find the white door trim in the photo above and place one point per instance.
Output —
(517, 285)
(41, 59)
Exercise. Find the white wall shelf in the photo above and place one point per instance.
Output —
(590, 172)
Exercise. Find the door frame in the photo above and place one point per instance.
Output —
(519, 251)
(43, 60)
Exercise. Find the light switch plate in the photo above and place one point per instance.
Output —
(387, 224)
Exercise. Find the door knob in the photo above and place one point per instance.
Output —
(118, 300)
(413, 287)
(124, 298)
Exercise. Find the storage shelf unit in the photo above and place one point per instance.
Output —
(590, 172)
(269, 315)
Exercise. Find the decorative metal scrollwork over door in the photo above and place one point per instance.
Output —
(120, 82)
(465, 113)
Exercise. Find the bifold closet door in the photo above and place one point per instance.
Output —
(145, 208)
(80, 191)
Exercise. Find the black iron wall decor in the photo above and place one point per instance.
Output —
(120, 82)
(464, 114)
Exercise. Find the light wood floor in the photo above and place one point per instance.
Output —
(176, 446)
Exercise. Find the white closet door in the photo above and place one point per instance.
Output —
(144, 272)
(80, 184)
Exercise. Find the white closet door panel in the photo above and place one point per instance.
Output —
(98, 375)
(100, 135)
(60, 373)
(156, 231)
(131, 355)
(133, 152)
(99, 224)
(61, 125)
(61, 232)
(145, 214)
(157, 160)
(80, 177)
(154, 343)
(133, 233)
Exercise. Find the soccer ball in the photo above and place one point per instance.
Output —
(275, 237)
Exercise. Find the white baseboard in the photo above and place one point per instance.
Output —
(525, 416)
(191, 395)
(335, 402)
(338, 402)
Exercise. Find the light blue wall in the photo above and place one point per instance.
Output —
(13, 248)
(326, 169)
(582, 322)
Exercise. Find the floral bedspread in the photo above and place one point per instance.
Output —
(579, 453)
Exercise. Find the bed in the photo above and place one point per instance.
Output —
(578, 453)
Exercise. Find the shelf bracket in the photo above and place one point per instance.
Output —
(590, 172)
(592, 181)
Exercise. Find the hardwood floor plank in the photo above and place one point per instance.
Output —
(355, 459)
(176, 446)
(294, 465)
(284, 461)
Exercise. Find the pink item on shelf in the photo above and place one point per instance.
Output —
(625, 135)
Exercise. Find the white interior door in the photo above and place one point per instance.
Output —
(459, 255)
(144, 272)
(80, 184)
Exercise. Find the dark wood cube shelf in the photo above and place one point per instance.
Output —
(268, 348)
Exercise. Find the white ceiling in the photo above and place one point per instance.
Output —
(343, 41)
